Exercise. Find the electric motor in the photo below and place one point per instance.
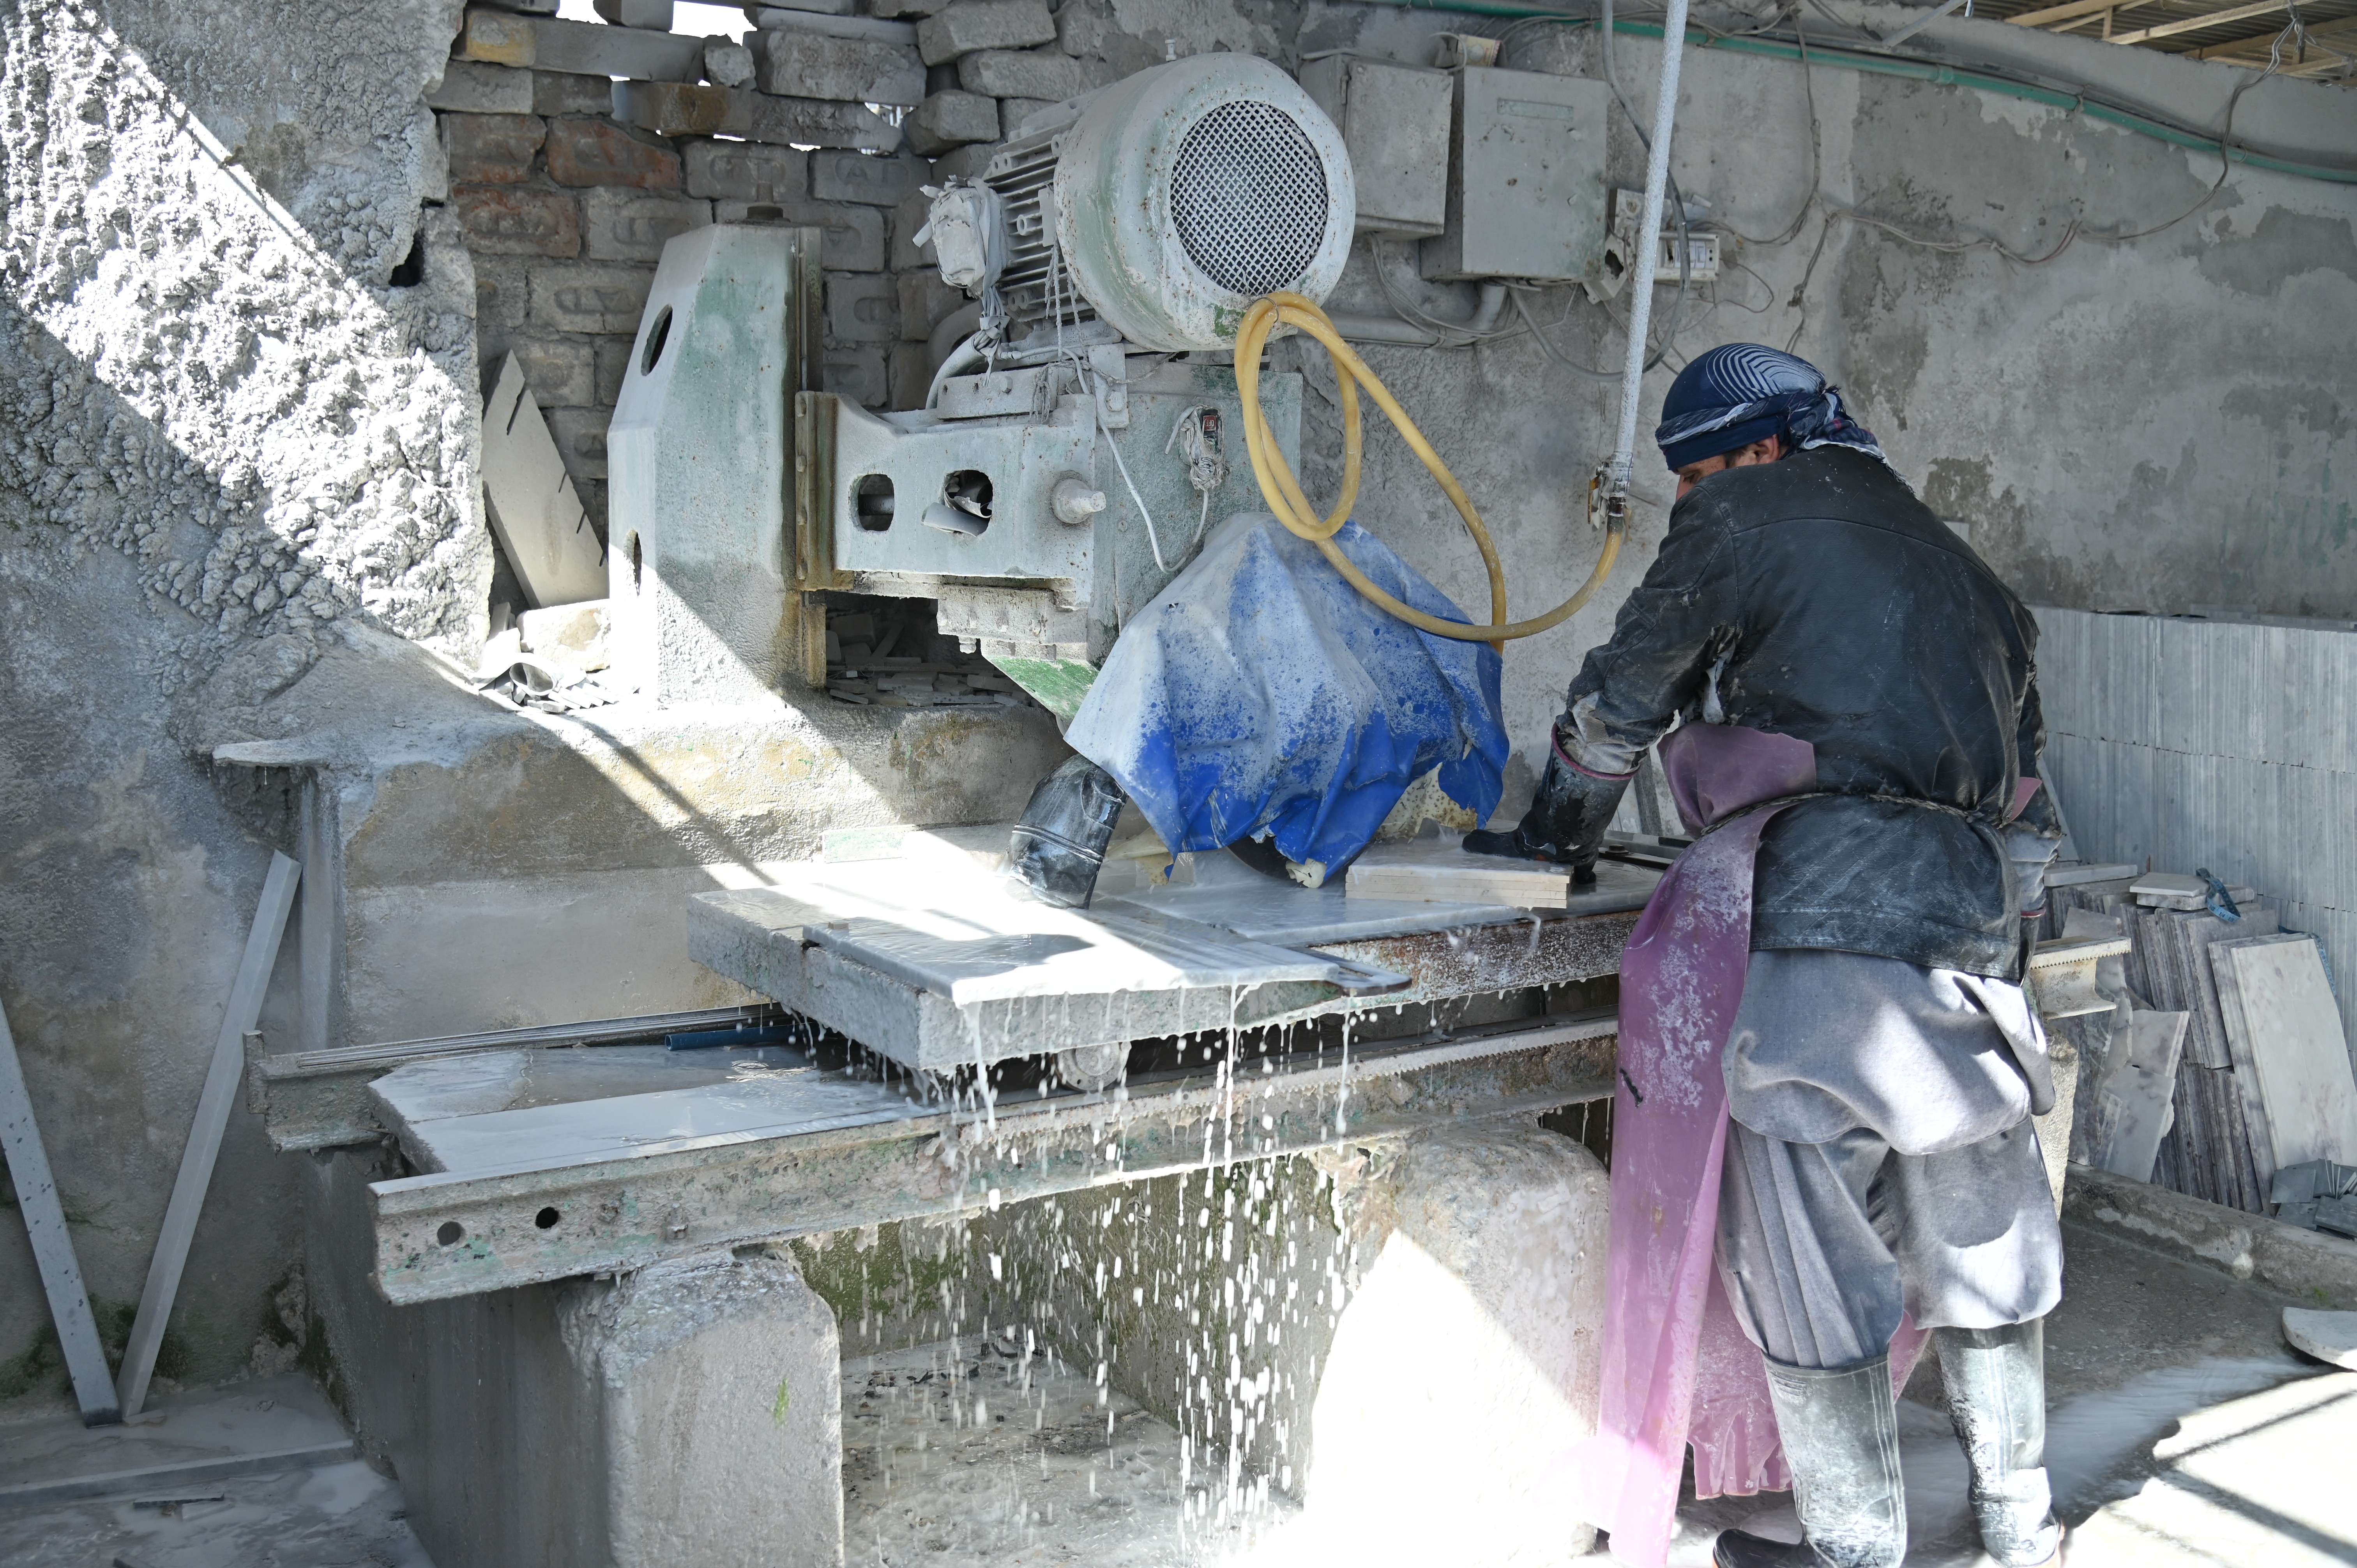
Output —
(1163, 206)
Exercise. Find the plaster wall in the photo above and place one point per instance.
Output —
(2147, 424)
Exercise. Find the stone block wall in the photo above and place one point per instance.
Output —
(565, 203)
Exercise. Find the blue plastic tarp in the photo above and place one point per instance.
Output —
(1260, 693)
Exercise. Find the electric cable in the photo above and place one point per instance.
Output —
(1293, 509)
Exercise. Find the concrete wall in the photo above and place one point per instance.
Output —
(224, 433)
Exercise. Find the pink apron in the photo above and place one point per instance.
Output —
(1678, 1369)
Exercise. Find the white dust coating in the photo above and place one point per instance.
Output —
(187, 376)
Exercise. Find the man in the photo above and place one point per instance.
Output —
(1883, 1063)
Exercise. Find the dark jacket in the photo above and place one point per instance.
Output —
(1817, 597)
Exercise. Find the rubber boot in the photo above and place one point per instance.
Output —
(1996, 1381)
(1059, 847)
(1841, 1438)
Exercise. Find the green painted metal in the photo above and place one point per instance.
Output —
(1057, 684)
(1915, 69)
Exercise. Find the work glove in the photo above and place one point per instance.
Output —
(1566, 822)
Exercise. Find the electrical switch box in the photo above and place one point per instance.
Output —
(1526, 192)
(1395, 121)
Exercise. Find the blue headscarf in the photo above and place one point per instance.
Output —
(1740, 393)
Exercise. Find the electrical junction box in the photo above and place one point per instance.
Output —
(1526, 192)
(1702, 244)
(1394, 121)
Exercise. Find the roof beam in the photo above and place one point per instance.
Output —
(2195, 24)
(2069, 11)
(2257, 49)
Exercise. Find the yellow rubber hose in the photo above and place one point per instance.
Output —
(1292, 508)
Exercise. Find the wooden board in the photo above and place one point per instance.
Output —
(541, 522)
(2281, 1016)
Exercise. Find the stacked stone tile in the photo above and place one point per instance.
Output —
(566, 184)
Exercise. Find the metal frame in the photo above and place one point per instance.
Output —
(464, 1232)
(319, 1100)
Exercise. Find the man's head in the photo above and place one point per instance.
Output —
(1741, 404)
(1764, 451)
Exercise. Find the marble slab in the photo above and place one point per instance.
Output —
(459, 1115)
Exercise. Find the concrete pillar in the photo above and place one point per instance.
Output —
(688, 1413)
(718, 1393)
(1469, 1359)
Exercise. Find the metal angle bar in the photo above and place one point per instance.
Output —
(464, 1232)
(53, 1248)
(213, 1106)
(591, 1032)
(319, 1100)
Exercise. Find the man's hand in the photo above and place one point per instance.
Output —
(1566, 822)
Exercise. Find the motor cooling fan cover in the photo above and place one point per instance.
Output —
(1190, 190)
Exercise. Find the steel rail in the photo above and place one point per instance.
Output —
(461, 1234)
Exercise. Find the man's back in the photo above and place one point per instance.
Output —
(1817, 597)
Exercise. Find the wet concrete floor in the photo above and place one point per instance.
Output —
(2182, 1432)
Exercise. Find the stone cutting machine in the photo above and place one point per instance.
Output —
(1070, 451)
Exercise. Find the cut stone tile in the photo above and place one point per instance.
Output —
(2327, 1335)
(598, 152)
(560, 92)
(540, 524)
(182, 1441)
(655, 16)
(471, 87)
(2283, 1022)
(1014, 112)
(635, 225)
(878, 182)
(491, 149)
(583, 49)
(738, 171)
(1048, 73)
(675, 108)
(925, 301)
(518, 220)
(589, 297)
(854, 237)
(797, 64)
(794, 19)
(967, 162)
(862, 307)
(946, 119)
(727, 63)
(964, 26)
(562, 372)
(815, 122)
(861, 374)
(909, 216)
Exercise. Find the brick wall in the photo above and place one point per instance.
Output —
(565, 205)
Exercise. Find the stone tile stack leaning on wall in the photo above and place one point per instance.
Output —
(567, 183)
